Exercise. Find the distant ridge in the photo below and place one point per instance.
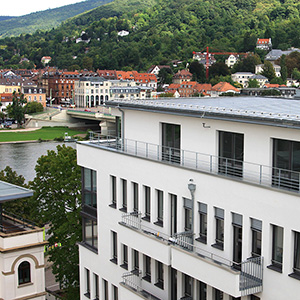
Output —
(44, 20)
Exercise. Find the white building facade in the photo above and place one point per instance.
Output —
(193, 202)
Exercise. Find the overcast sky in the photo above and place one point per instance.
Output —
(21, 7)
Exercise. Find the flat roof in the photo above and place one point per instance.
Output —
(257, 109)
(10, 192)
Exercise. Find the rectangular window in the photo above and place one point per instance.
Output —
(173, 220)
(218, 294)
(188, 286)
(136, 263)
(202, 290)
(256, 228)
(124, 257)
(159, 275)
(96, 287)
(171, 142)
(147, 203)
(187, 214)
(113, 181)
(237, 224)
(115, 292)
(202, 222)
(160, 207)
(105, 289)
(135, 190)
(219, 217)
(286, 164)
(277, 248)
(231, 153)
(89, 187)
(147, 268)
(114, 247)
(124, 194)
(296, 265)
(87, 283)
(90, 232)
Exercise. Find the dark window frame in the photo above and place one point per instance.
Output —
(147, 199)
(24, 273)
(159, 275)
(94, 237)
(113, 182)
(89, 192)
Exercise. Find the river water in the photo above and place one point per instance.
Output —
(22, 158)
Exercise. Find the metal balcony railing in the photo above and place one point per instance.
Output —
(250, 270)
(13, 223)
(222, 166)
(133, 280)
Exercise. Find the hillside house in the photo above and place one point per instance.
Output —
(264, 44)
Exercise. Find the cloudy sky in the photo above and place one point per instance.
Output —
(21, 7)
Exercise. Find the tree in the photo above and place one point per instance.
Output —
(57, 196)
(218, 69)
(198, 71)
(268, 70)
(33, 107)
(16, 109)
(165, 76)
(253, 83)
(283, 70)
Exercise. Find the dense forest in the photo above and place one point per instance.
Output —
(44, 20)
(159, 31)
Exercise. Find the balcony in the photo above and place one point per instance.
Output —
(236, 279)
(133, 281)
(238, 170)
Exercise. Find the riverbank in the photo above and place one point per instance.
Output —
(34, 135)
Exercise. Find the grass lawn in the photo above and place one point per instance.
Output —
(45, 133)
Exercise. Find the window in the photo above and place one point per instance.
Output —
(136, 264)
(114, 247)
(90, 232)
(286, 164)
(218, 294)
(202, 290)
(256, 227)
(171, 142)
(87, 283)
(159, 275)
(231, 152)
(147, 268)
(296, 265)
(188, 286)
(89, 187)
(113, 182)
(277, 248)
(219, 216)
(160, 207)
(96, 287)
(115, 292)
(24, 272)
(173, 219)
(187, 214)
(124, 257)
(237, 224)
(124, 195)
(135, 190)
(147, 203)
(202, 222)
(105, 289)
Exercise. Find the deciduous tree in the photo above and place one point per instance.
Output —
(16, 109)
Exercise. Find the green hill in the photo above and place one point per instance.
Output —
(45, 20)
(159, 31)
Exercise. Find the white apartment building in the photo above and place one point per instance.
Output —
(94, 91)
(242, 77)
(22, 266)
(194, 199)
(231, 60)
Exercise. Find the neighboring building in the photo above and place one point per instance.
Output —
(45, 60)
(195, 199)
(107, 74)
(275, 54)
(264, 44)
(201, 57)
(232, 60)
(22, 245)
(5, 99)
(189, 88)
(182, 75)
(259, 69)
(123, 33)
(242, 77)
(34, 94)
(262, 80)
(292, 82)
(221, 88)
(94, 91)
(156, 68)
(10, 85)
(142, 79)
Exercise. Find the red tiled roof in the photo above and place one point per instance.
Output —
(263, 41)
(274, 85)
(224, 87)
